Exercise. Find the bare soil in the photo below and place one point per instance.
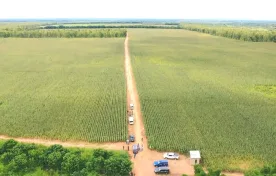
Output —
(77, 144)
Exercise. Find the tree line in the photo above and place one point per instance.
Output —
(62, 33)
(199, 171)
(239, 33)
(265, 171)
(107, 26)
(19, 159)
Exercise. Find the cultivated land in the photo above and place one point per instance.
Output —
(208, 93)
(66, 89)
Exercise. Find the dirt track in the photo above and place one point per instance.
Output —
(80, 144)
(143, 163)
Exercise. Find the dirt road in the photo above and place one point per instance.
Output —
(79, 144)
(143, 162)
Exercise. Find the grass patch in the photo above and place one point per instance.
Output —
(268, 90)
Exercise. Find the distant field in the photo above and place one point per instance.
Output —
(63, 89)
(17, 24)
(97, 24)
(208, 93)
(110, 24)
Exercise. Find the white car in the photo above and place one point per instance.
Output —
(171, 155)
(131, 120)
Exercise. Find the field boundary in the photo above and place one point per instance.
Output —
(77, 144)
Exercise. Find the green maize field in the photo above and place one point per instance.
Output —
(208, 93)
(67, 89)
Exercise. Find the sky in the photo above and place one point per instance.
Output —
(160, 9)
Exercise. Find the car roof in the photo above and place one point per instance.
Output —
(171, 153)
(163, 168)
(163, 160)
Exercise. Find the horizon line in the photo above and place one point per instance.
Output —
(88, 18)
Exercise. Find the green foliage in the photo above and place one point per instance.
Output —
(196, 93)
(166, 26)
(20, 157)
(7, 146)
(53, 157)
(24, 159)
(102, 153)
(239, 33)
(97, 164)
(79, 89)
(265, 171)
(200, 172)
(269, 90)
(62, 33)
(121, 164)
(73, 162)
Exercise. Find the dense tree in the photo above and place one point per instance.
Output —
(239, 33)
(72, 163)
(19, 159)
(63, 33)
(53, 157)
(8, 145)
(265, 171)
(118, 164)
(166, 26)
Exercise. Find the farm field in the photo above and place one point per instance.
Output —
(209, 93)
(95, 24)
(66, 89)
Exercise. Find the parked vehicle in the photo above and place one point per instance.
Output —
(131, 120)
(162, 170)
(131, 138)
(131, 106)
(135, 148)
(161, 163)
(171, 155)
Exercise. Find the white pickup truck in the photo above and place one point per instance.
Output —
(131, 120)
(131, 106)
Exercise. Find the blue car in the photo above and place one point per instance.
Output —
(161, 163)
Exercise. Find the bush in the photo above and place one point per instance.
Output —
(245, 34)
(265, 171)
(19, 159)
(63, 33)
